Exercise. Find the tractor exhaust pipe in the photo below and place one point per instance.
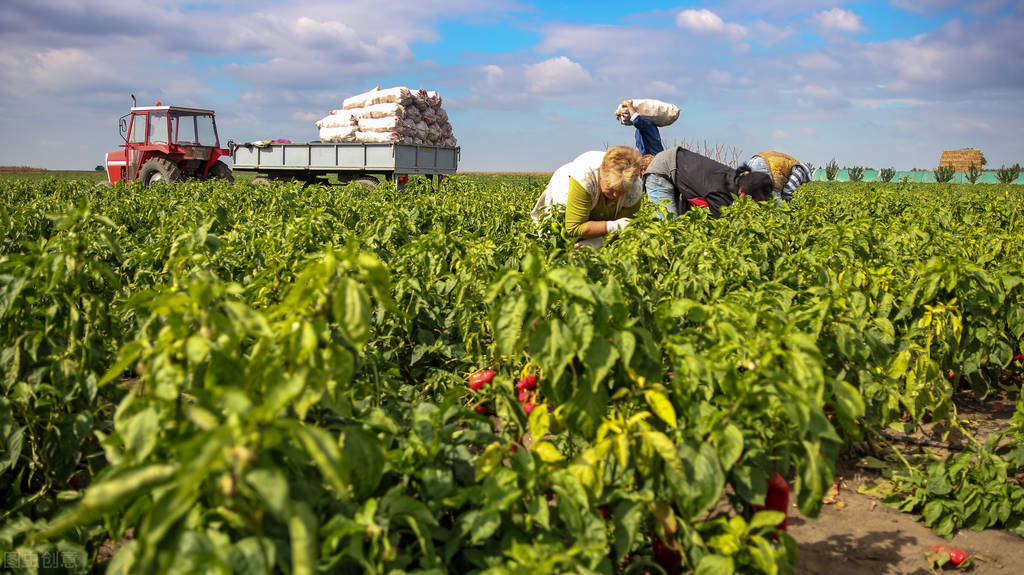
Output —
(133, 100)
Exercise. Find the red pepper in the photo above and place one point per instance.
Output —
(956, 556)
(1019, 357)
(777, 498)
(528, 383)
(669, 559)
(481, 378)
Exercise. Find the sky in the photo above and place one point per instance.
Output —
(529, 85)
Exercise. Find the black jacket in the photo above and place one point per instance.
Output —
(699, 180)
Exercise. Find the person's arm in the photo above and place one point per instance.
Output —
(648, 136)
(798, 176)
(577, 213)
(716, 200)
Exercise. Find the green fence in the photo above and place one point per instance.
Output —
(921, 176)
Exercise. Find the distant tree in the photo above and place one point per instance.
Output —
(887, 174)
(972, 174)
(831, 170)
(944, 174)
(1008, 175)
(98, 168)
(856, 173)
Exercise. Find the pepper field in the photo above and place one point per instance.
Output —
(228, 378)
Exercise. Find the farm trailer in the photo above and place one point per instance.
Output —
(361, 162)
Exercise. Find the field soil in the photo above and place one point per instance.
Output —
(856, 534)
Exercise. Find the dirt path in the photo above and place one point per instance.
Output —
(861, 536)
(866, 537)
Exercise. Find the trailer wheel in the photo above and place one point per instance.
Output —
(220, 171)
(370, 183)
(159, 170)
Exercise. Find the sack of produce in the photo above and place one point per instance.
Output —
(394, 115)
(338, 134)
(658, 112)
(336, 119)
(399, 95)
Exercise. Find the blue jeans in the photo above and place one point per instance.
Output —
(661, 193)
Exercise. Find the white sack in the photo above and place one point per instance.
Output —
(377, 137)
(399, 95)
(338, 134)
(658, 112)
(387, 124)
(336, 119)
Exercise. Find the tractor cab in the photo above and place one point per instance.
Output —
(167, 143)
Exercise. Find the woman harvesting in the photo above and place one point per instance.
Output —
(601, 192)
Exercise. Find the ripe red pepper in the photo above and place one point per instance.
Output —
(528, 383)
(669, 559)
(528, 407)
(956, 556)
(524, 396)
(777, 498)
(481, 378)
(1019, 357)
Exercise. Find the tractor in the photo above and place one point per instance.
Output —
(167, 144)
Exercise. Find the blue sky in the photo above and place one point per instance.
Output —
(528, 86)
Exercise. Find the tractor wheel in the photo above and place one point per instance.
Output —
(220, 171)
(370, 183)
(159, 170)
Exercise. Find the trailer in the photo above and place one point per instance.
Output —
(315, 162)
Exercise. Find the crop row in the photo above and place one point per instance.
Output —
(273, 378)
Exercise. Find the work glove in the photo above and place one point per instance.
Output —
(595, 243)
(616, 226)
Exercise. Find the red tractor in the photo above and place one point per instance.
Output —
(166, 144)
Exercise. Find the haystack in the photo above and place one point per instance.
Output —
(961, 159)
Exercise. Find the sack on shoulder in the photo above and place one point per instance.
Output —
(658, 112)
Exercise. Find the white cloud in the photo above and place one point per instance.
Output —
(818, 92)
(780, 134)
(493, 74)
(659, 87)
(970, 126)
(770, 35)
(839, 20)
(818, 61)
(303, 116)
(719, 77)
(556, 75)
(983, 7)
(876, 104)
(705, 21)
(821, 98)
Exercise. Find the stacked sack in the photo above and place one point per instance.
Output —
(395, 115)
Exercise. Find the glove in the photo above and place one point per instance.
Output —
(595, 243)
(616, 226)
